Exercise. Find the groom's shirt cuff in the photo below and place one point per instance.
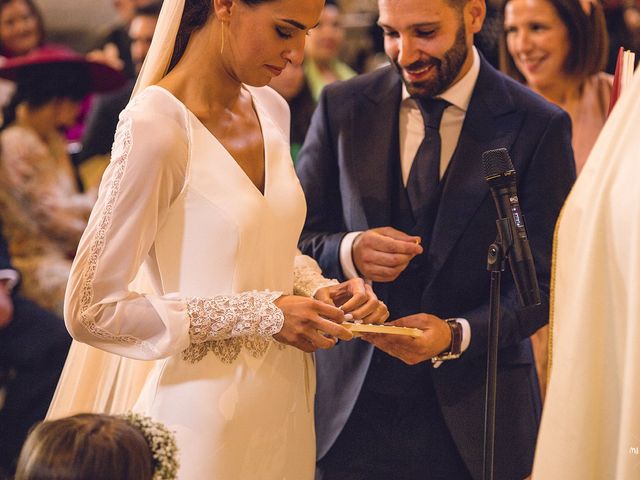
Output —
(9, 276)
(349, 269)
(466, 334)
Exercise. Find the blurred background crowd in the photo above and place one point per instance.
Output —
(68, 67)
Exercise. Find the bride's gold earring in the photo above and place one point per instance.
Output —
(221, 37)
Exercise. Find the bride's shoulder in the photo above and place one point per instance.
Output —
(158, 106)
(155, 122)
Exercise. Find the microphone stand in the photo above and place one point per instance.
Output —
(496, 256)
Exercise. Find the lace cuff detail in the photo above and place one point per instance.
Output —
(225, 323)
(307, 277)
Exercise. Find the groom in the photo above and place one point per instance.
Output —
(416, 218)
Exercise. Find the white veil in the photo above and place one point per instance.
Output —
(94, 380)
(164, 39)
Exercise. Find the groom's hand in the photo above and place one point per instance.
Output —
(435, 339)
(381, 254)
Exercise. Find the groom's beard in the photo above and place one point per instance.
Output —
(447, 68)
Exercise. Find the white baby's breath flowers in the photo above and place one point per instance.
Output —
(161, 442)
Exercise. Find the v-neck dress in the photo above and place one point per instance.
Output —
(180, 264)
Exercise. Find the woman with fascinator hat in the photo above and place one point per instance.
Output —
(43, 211)
(189, 262)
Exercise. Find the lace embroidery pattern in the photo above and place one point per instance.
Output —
(120, 155)
(307, 277)
(225, 324)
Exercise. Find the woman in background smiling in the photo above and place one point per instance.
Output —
(559, 49)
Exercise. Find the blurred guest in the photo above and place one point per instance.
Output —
(21, 27)
(43, 211)
(115, 47)
(21, 31)
(293, 87)
(301, 85)
(33, 347)
(559, 48)
(623, 25)
(322, 65)
(99, 447)
(488, 39)
(101, 123)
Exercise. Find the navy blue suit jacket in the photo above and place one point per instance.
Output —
(344, 168)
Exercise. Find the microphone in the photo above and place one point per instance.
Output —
(501, 177)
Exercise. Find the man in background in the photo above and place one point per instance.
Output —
(103, 117)
(115, 47)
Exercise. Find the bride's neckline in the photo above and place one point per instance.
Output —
(262, 193)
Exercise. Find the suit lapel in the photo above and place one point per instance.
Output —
(491, 122)
(374, 146)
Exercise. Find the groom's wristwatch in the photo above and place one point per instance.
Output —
(455, 349)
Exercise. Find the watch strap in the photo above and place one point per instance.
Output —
(455, 349)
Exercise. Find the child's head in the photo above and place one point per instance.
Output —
(89, 446)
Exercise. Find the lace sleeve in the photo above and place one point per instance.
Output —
(307, 277)
(228, 316)
(224, 324)
(110, 302)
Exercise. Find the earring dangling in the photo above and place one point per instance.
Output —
(221, 37)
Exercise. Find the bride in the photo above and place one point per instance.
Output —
(189, 261)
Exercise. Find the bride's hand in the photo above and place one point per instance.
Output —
(310, 324)
(356, 298)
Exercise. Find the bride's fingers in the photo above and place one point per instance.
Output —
(305, 345)
(332, 329)
(318, 340)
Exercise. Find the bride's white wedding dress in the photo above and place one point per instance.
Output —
(175, 208)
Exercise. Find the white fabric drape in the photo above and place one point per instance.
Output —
(591, 421)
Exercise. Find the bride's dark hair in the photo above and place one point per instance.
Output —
(194, 16)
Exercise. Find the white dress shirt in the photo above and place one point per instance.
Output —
(9, 276)
(411, 135)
